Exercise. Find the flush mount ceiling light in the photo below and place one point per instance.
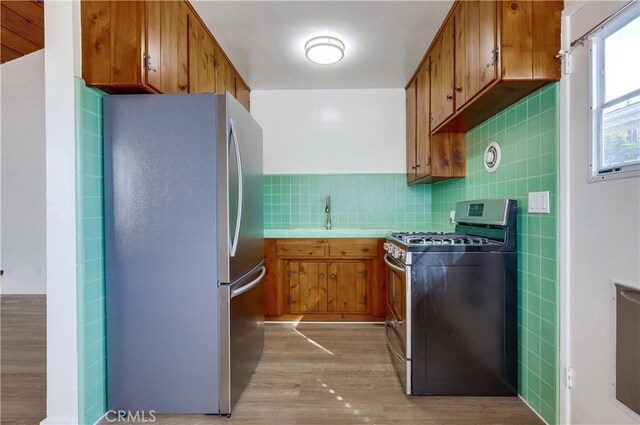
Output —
(324, 50)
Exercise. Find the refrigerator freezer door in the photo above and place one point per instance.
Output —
(240, 241)
(242, 335)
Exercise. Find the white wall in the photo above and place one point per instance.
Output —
(331, 131)
(62, 63)
(22, 168)
(601, 229)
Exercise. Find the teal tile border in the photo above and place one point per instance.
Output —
(528, 133)
(92, 390)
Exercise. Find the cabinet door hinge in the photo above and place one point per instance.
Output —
(569, 377)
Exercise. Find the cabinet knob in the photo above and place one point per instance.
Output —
(183, 87)
(321, 275)
(459, 89)
(333, 276)
(449, 97)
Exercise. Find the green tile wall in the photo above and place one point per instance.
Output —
(92, 383)
(528, 134)
(359, 201)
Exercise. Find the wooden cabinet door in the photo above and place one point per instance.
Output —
(225, 81)
(423, 130)
(307, 286)
(348, 287)
(183, 47)
(201, 58)
(471, 60)
(447, 69)
(460, 65)
(438, 99)
(488, 53)
(242, 93)
(153, 56)
(170, 11)
(411, 130)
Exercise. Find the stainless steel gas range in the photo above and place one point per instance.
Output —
(452, 303)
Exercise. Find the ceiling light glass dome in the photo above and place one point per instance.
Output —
(324, 50)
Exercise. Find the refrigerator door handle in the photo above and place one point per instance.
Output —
(233, 245)
(248, 286)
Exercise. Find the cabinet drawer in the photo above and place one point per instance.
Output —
(300, 250)
(353, 250)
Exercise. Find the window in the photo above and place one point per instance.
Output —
(615, 97)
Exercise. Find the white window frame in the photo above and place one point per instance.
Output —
(597, 104)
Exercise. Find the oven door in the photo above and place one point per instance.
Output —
(398, 326)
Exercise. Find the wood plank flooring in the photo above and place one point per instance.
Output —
(342, 374)
(312, 374)
(23, 342)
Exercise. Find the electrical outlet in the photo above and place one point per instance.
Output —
(539, 202)
(452, 217)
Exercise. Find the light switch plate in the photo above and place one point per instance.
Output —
(539, 202)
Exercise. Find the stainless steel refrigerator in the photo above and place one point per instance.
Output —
(184, 251)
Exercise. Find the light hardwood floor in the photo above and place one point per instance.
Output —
(312, 374)
(23, 351)
(342, 374)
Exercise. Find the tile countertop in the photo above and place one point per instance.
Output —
(322, 233)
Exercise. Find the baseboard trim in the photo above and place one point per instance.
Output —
(532, 409)
(22, 290)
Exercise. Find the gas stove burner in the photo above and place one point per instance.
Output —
(441, 238)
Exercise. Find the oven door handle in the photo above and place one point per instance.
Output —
(393, 266)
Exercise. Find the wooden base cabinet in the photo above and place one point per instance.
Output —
(324, 279)
(328, 287)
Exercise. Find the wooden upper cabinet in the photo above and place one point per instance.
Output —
(442, 75)
(411, 130)
(500, 51)
(153, 47)
(475, 49)
(153, 37)
(423, 130)
(225, 80)
(487, 51)
(242, 93)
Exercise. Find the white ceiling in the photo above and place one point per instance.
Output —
(385, 40)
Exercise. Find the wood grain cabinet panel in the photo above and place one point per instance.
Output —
(286, 249)
(411, 117)
(153, 47)
(330, 279)
(423, 122)
(488, 55)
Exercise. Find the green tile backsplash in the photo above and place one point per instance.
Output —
(529, 137)
(358, 201)
(528, 134)
(92, 383)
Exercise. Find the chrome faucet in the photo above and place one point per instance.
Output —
(327, 210)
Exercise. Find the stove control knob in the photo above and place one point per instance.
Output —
(401, 255)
